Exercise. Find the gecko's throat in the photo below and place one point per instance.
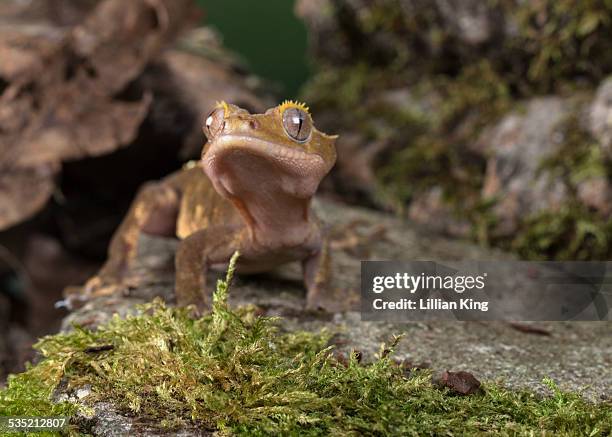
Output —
(239, 167)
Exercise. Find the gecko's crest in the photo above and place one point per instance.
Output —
(293, 104)
(222, 104)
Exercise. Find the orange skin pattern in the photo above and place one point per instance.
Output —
(250, 192)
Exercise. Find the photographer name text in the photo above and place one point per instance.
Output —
(426, 283)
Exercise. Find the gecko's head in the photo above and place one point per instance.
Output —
(278, 150)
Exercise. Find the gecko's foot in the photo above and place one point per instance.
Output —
(92, 285)
(100, 285)
(77, 296)
(104, 285)
(198, 310)
(195, 299)
(314, 301)
(332, 300)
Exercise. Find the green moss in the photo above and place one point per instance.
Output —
(546, 46)
(238, 373)
(560, 41)
(570, 233)
(350, 85)
(29, 393)
(580, 156)
(438, 153)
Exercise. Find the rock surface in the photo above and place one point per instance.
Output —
(576, 355)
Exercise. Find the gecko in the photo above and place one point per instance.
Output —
(251, 192)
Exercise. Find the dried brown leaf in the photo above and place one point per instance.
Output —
(59, 92)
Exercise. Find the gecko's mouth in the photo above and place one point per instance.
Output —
(239, 164)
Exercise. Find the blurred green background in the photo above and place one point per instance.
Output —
(267, 35)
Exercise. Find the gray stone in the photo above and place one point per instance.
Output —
(107, 422)
(596, 193)
(600, 116)
(517, 147)
(473, 22)
(430, 209)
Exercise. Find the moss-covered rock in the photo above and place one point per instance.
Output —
(578, 226)
(462, 68)
(234, 371)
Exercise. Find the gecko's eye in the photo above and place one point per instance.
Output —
(214, 123)
(297, 124)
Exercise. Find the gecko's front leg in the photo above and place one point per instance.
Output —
(194, 257)
(317, 276)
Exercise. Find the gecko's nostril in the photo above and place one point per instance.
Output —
(253, 124)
